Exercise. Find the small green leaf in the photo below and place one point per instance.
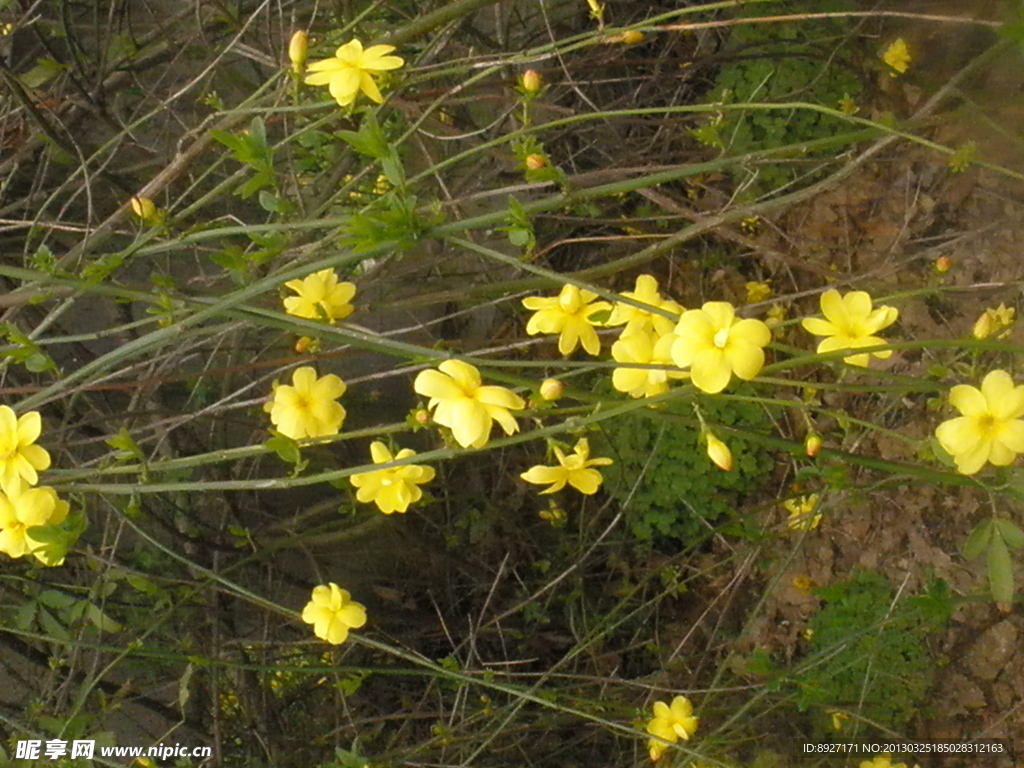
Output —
(1000, 573)
(979, 539)
(1011, 534)
(43, 72)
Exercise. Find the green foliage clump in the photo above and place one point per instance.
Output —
(874, 655)
(808, 61)
(682, 492)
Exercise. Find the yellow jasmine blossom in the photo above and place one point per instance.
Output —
(464, 406)
(22, 508)
(350, 71)
(309, 407)
(715, 345)
(574, 469)
(321, 297)
(568, 315)
(644, 349)
(639, 320)
(719, 453)
(19, 456)
(332, 612)
(851, 324)
(671, 723)
(882, 761)
(994, 322)
(802, 515)
(394, 489)
(897, 56)
(758, 292)
(990, 429)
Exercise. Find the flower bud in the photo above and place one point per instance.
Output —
(144, 208)
(942, 264)
(302, 345)
(719, 453)
(297, 50)
(812, 444)
(551, 389)
(983, 326)
(535, 162)
(530, 81)
(422, 417)
(632, 36)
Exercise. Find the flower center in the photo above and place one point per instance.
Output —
(721, 338)
(987, 425)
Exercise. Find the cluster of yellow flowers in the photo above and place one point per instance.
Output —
(22, 506)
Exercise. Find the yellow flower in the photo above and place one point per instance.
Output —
(308, 407)
(332, 612)
(882, 761)
(321, 297)
(394, 489)
(850, 324)
(758, 292)
(802, 516)
(715, 345)
(719, 453)
(568, 315)
(990, 429)
(671, 723)
(464, 406)
(19, 456)
(297, 47)
(574, 469)
(643, 349)
(897, 56)
(639, 320)
(22, 508)
(349, 72)
(994, 322)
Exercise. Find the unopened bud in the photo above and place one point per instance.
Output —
(719, 453)
(297, 50)
(812, 444)
(535, 162)
(632, 36)
(422, 417)
(983, 326)
(530, 81)
(551, 389)
(302, 345)
(942, 264)
(144, 208)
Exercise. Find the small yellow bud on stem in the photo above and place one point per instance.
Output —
(551, 389)
(297, 51)
(530, 81)
(719, 453)
(535, 162)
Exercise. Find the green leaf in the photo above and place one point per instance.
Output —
(45, 70)
(979, 539)
(258, 131)
(1011, 534)
(369, 140)
(100, 620)
(56, 600)
(1000, 573)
